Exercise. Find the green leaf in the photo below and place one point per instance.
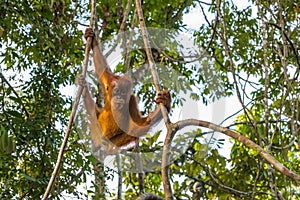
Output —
(28, 177)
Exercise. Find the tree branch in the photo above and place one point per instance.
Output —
(217, 181)
(294, 49)
(246, 141)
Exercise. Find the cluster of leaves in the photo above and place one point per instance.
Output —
(41, 49)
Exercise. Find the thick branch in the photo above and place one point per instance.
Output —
(246, 141)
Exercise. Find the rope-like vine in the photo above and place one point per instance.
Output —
(74, 108)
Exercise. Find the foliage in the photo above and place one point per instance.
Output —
(250, 54)
(41, 50)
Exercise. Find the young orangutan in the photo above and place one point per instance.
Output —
(120, 119)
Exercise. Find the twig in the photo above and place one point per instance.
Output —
(294, 49)
(125, 17)
(214, 26)
(74, 109)
(205, 3)
(14, 91)
(215, 179)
